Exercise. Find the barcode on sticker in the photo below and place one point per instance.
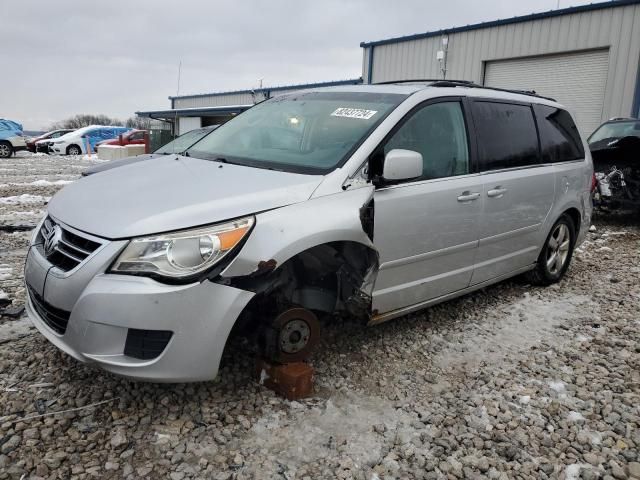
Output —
(354, 113)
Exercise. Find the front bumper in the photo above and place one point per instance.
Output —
(200, 316)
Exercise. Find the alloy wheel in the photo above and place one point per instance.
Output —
(558, 249)
(5, 151)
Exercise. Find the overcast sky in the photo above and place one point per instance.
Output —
(65, 57)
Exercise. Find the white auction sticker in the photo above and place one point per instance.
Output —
(354, 113)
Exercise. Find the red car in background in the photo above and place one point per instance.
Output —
(132, 137)
(43, 147)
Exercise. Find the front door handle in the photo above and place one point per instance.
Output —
(468, 196)
(496, 192)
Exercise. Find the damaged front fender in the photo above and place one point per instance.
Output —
(318, 255)
(282, 233)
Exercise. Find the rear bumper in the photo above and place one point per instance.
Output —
(200, 317)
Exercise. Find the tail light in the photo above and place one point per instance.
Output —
(594, 182)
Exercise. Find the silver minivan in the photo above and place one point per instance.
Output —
(367, 201)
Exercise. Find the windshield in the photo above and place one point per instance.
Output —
(312, 132)
(616, 130)
(184, 141)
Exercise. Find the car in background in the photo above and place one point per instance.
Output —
(132, 137)
(41, 143)
(615, 149)
(11, 138)
(75, 143)
(178, 145)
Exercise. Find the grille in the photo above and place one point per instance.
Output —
(71, 249)
(55, 318)
(146, 344)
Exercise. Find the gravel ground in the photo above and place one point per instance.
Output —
(509, 382)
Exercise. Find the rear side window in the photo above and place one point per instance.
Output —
(559, 135)
(507, 135)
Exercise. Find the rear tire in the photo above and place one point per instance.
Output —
(555, 257)
(6, 149)
(73, 150)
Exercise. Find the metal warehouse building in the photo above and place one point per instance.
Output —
(587, 57)
(194, 111)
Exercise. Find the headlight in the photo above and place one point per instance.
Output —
(182, 254)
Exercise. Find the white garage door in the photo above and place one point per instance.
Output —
(577, 80)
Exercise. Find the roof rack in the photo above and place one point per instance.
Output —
(438, 82)
(466, 83)
(420, 80)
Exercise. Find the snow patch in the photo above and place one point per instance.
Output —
(572, 472)
(25, 198)
(558, 386)
(12, 330)
(575, 417)
(38, 183)
(525, 399)
(595, 437)
(303, 435)
(6, 272)
(518, 326)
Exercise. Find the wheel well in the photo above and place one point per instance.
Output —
(574, 215)
(73, 145)
(332, 278)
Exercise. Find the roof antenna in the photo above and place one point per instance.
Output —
(175, 120)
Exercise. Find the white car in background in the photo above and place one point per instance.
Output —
(75, 143)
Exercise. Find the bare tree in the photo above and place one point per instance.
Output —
(84, 120)
(138, 123)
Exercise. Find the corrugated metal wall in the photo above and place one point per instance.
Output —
(616, 28)
(578, 80)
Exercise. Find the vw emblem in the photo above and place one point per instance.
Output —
(51, 240)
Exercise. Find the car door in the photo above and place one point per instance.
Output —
(518, 190)
(426, 229)
(136, 138)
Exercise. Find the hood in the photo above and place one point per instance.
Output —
(177, 193)
(110, 165)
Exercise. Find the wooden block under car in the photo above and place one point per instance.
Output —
(291, 380)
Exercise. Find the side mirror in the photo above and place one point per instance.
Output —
(402, 165)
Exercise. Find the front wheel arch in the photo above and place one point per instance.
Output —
(331, 279)
(70, 147)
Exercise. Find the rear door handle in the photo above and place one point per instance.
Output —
(496, 192)
(468, 196)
